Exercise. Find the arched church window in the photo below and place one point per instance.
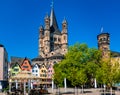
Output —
(104, 39)
(46, 34)
(59, 39)
(64, 37)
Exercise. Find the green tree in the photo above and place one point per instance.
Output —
(81, 78)
(109, 73)
(58, 76)
(78, 64)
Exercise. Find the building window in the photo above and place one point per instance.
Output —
(16, 70)
(25, 66)
(54, 62)
(104, 39)
(105, 49)
(46, 34)
(13, 74)
(51, 38)
(100, 39)
(36, 70)
(55, 39)
(32, 70)
(64, 37)
(59, 39)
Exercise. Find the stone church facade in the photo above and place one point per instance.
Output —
(52, 43)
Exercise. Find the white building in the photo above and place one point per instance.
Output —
(35, 69)
(3, 66)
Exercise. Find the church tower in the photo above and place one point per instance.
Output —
(51, 39)
(52, 45)
(104, 44)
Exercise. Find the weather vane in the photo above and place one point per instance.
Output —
(101, 29)
(52, 3)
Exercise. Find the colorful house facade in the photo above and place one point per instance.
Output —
(26, 65)
(15, 69)
(36, 70)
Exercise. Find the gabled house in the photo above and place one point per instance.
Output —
(50, 71)
(43, 71)
(26, 65)
(35, 69)
(15, 65)
(14, 69)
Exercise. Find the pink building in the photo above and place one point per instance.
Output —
(50, 71)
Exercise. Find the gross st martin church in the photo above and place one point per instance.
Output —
(53, 43)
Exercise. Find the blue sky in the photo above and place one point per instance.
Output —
(20, 21)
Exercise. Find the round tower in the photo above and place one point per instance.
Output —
(104, 43)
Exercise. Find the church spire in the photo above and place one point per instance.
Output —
(53, 21)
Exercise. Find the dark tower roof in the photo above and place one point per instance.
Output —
(103, 34)
(53, 23)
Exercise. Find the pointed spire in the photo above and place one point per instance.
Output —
(41, 28)
(64, 20)
(46, 16)
(53, 21)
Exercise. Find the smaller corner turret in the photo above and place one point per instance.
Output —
(47, 22)
(64, 26)
(64, 36)
(41, 30)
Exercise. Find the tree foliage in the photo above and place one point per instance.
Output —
(109, 72)
(79, 64)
